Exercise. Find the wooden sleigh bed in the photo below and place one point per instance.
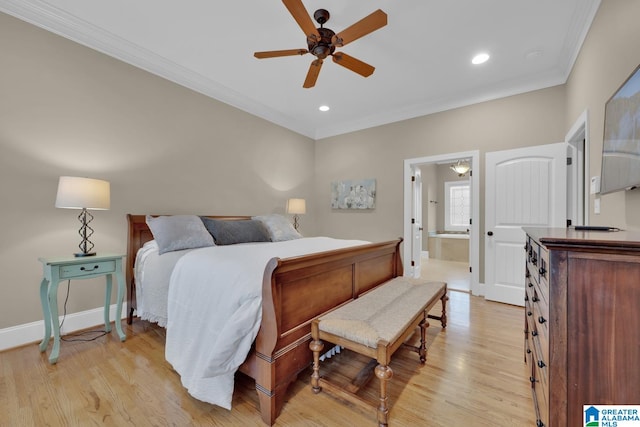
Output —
(294, 292)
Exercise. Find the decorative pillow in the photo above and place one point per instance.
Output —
(280, 228)
(231, 232)
(177, 232)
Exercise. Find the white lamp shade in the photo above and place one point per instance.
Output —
(296, 206)
(78, 193)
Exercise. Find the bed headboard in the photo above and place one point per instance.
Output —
(139, 234)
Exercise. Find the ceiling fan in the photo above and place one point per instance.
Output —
(322, 42)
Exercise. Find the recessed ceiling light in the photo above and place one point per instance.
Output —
(480, 58)
(324, 108)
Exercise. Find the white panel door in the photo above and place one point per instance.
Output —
(525, 187)
(416, 221)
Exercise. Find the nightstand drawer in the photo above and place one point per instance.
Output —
(87, 269)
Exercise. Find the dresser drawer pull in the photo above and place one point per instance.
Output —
(529, 313)
(526, 297)
(534, 333)
(535, 299)
(95, 267)
(530, 285)
(534, 260)
(528, 351)
(527, 274)
(539, 423)
(541, 364)
(541, 319)
(542, 271)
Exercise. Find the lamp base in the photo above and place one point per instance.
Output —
(81, 254)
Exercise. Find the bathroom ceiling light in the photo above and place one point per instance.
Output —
(480, 58)
(461, 167)
(324, 108)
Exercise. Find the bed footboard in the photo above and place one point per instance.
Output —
(297, 290)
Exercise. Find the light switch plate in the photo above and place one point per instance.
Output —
(595, 185)
(596, 206)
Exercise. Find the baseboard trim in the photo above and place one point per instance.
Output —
(17, 336)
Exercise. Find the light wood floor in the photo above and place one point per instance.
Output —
(455, 273)
(475, 375)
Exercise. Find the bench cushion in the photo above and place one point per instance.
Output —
(382, 314)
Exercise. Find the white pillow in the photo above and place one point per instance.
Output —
(177, 232)
(280, 228)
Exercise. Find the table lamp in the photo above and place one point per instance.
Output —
(296, 207)
(85, 194)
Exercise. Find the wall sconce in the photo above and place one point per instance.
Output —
(461, 167)
(83, 193)
(296, 207)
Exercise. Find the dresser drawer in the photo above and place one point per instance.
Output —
(87, 269)
(543, 271)
(540, 305)
(533, 256)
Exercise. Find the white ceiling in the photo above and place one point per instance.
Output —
(422, 57)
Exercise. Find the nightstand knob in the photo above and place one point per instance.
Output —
(95, 267)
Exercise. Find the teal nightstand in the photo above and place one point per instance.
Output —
(56, 270)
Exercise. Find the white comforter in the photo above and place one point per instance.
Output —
(214, 310)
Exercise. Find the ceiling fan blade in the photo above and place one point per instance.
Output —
(312, 75)
(366, 25)
(276, 53)
(300, 14)
(353, 64)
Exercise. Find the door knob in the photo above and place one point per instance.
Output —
(490, 233)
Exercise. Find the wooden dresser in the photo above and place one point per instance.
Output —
(582, 321)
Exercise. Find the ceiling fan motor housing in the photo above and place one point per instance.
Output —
(323, 47)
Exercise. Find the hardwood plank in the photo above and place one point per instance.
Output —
(474, 375)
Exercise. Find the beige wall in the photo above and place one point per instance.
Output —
(610, 53)
(529, 119)
(65, 109)
(429, 174)
(68, 110)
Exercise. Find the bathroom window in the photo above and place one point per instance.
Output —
(457, 206)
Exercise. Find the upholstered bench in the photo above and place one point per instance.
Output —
(376, 325)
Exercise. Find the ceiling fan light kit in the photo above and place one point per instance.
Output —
(322, 42)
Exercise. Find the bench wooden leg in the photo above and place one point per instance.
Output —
(443, 316)
(316, 347)
(422, 351)
(384, 373)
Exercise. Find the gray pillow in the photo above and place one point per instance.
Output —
(280, 229)
(177, 232)
(231, 232)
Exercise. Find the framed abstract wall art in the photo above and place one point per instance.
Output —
(353, 194)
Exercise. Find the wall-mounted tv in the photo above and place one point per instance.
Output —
(621, 147)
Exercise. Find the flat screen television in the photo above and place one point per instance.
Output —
(621, 145)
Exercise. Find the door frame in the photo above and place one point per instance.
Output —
(474, 229)
(580, 190)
